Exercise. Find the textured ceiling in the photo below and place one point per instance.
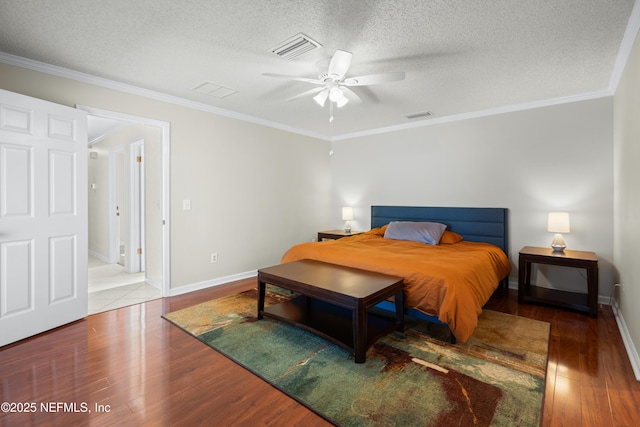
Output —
(460, 56)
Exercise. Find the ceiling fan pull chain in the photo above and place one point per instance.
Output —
(330, 112)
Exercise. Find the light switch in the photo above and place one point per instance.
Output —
(186, 205)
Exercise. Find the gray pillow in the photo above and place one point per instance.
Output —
(423, 232)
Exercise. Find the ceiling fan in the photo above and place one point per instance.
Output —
(334, 85)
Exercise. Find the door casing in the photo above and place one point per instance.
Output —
(165, 207)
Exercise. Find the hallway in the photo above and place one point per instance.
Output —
(110, 287)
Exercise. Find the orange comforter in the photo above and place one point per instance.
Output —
(450, 281)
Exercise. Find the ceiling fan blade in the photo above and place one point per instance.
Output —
(300, 79)
(351, 95)
(374, 79)
(306, 93)
(339, 65)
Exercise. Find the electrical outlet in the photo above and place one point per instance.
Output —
(214, 258)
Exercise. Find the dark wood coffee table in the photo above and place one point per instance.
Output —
(334, 302)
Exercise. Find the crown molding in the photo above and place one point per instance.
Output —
(134, 90)
(476, 114)
(625, 50)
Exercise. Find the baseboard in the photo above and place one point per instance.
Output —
(101, 257)
(209, 283)
(632, 352)
(604, 300)
(155, 283)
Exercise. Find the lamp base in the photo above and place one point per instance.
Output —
(558, 243)
(347, 228)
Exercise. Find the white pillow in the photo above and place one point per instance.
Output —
(423, 232)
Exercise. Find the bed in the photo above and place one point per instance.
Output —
(446, 282)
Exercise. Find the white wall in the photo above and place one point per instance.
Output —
(627, 202)
(255, 191)
(531, 162)
(98, 198)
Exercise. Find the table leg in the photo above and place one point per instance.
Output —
(592, 289)
(399, 299)
(360, 333)
(306, 307)
(261, 295)
(524, 278)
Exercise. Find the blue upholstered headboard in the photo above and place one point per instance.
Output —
(474, 224)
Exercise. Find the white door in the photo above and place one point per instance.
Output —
(43, 216)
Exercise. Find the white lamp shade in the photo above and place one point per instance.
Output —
(321, 97)
(347, 214)
(335, 94)
(558, 222)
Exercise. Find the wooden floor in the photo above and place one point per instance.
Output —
(130, 367)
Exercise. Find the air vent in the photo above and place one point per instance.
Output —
(295, 46)
(213, 89)
(419, 115)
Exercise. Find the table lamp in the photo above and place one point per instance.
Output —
(347, 215)
(558, 223)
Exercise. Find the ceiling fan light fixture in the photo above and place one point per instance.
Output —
(331, 82)
(335, 94)
(321, 98)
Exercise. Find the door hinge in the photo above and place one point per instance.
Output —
(139, 159)
(139, 251)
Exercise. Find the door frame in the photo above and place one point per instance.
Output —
(136, 207)
(165, 137)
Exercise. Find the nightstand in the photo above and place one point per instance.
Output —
(335, 234)
(578, 259)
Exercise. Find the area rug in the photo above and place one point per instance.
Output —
(497, 378)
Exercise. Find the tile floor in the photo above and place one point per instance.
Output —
(111, 287)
